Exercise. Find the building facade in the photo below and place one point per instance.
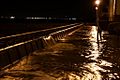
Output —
(114, 10)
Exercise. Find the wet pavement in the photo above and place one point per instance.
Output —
(79, 56)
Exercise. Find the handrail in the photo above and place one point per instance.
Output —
(65, 29)
(8, 47)
(12, 54)
(27, 33)
(11, 46)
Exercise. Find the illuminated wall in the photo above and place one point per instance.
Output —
(118, 7)
(112, 5)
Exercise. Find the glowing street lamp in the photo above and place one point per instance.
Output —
(12, 17)
(96, 8)
(97, 2)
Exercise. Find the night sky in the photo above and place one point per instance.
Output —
(77, 8)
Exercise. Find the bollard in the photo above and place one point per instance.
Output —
(4, 59)
(29, 48)
(37, 45)
(34, 45)
(14, 54)
(21, 50)
(40, 43)
(56, 39)
(45, 42)
(53, 40)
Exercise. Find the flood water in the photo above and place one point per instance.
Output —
(79, 56)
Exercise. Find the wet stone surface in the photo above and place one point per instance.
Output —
(79, 56)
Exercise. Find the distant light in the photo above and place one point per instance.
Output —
(36, 18)
(12, 17)
(74, 18)
(28, 18)
(96, 8)
(69, 18)
(97, 2)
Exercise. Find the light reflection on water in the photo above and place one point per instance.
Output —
(92, 71)
(93, 67)
(80, 58)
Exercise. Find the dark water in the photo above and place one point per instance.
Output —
(79, 56)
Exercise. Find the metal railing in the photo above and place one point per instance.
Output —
(20, 45)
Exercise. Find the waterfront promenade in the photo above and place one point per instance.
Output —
(78, 56)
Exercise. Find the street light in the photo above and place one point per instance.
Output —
(96, 8)
(97, 3)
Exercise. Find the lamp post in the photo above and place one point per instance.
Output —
(97, 3)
